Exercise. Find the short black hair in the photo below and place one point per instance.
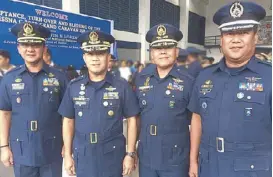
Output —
(5, 53)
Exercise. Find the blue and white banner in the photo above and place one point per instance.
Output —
(65, 28)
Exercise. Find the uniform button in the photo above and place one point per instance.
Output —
(252, 166)
(17, 139)
(54, 137)
(175, 146)
(248, 97)
(114, 147)
(105, 103)
(173, 96)
(80, 113)
(144, 94)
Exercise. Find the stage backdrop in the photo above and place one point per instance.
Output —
(65, 28)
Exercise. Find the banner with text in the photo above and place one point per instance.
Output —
(65, 28)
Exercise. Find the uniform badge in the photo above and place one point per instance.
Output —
(204, 105)
(206, 87)
(110, 89)
(240, 95)
(161, 30)
(80, 114)
(177, 80)
(236, 10)
(18, 86)
(105, 103)
(144, 102)
(51, 75)
(251, 86)
(146, 87)
(111, 95)
(17, 80)
(248, 112)
(93, 38)
(171, 104)
(28, 30)
(82, 92)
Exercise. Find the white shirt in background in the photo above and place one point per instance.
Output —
(125, 72)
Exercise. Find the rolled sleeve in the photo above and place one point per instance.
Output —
(130, 105)
(66, 108)
(5, 100)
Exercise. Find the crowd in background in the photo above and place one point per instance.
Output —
(126, 69)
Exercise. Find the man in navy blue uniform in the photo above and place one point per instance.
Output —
(231, 102)
(163, 92)
(31, 128)
(193, 63)
(112, 68)
(93, 109)
(182, 59)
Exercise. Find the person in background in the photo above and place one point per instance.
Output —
(124, 70)
(112, 67)
(139, 68)
(182, 59)
(83, 70)
(207, 61)
(194, 66)
(71, 72)
(47, 57)
(5, 65)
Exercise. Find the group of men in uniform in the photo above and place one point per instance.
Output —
(41, 113)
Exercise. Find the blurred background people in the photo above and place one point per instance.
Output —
(71, 72)
(124, 69)
(5, 65)
(113, 67)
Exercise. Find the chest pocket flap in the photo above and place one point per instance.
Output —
(251, 164)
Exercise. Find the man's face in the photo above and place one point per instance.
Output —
(192, 58)
(164, 57)
(31, 53)
(3, 61)
(238, 46)
(97, 62)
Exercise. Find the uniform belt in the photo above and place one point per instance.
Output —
(155, 130)
(97, 137)
(222, 145)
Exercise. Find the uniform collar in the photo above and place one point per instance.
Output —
(24, 68)
(108, 78)
(151, 70)
(251, 65)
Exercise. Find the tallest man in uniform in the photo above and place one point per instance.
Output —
(231, 102)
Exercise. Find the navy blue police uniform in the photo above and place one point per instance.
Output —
(33, 99)
(98, 109)
(114, 71)
(164, 138)
(235, 107)
(195, 67)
